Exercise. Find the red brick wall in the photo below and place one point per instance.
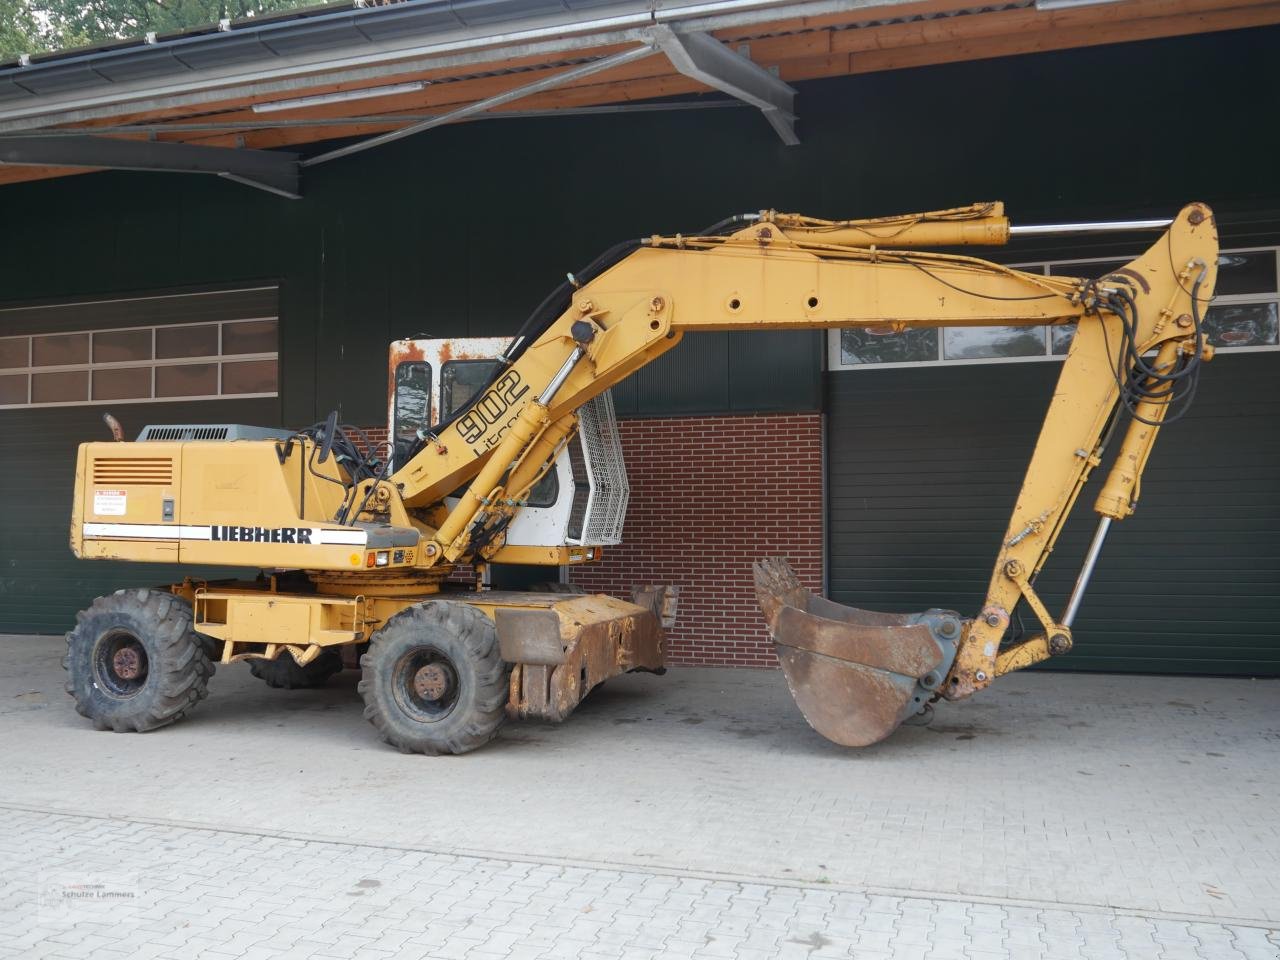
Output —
(708, 496)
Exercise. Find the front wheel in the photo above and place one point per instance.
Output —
(134, 663)
(433, 680)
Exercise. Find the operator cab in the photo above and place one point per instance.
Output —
(580, 503)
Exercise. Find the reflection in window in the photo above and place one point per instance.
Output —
(1060, 338)
(412, 407)
(249, 376)
(187, 341)
(122, 346)
(60, 350)
(252, 336)
(1244, 315)
(1085, 269)
(461, 380)
(1243, 325)
(14, 353)
(13, 389)
(187, 380)
(882, 345)
(1246, 272)
(122, 383)
(977, 343)
(65, 387)
(141, 364)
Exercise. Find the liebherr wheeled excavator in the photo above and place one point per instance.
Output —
(513, 458)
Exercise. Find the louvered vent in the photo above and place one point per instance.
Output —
(136, 471)
(210, 431)
(184, 433)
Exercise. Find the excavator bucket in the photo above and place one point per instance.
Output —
(856, 675)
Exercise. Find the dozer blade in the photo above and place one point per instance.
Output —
(856, 675)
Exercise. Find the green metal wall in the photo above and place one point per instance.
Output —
(464, 229)
(925, 465)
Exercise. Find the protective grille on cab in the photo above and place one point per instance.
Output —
(145, 471)
(601, 450)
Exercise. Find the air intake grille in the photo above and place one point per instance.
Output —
(135, 471)
(210, 431)
(184, 433)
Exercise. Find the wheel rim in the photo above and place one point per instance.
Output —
(120, 664)
(426, 684)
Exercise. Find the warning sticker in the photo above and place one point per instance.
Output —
(109, 503)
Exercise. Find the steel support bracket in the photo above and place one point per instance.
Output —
(268, 170)
(705, 59)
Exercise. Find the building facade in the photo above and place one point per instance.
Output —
(884, 467)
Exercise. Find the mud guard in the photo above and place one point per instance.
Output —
(856, 675)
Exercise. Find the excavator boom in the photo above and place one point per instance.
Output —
(856, 675)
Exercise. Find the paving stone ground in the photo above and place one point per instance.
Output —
(1056, 816)
(77, 887)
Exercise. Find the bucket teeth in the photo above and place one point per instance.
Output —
(855, 674)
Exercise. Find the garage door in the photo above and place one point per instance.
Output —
(924, 466)
(209, 357)
(927, 441)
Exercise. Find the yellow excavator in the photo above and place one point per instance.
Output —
(510, 455)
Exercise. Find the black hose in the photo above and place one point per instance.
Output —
(544, 315)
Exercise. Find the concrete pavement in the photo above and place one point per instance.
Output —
(1135, 809)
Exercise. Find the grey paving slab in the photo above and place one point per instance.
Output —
(76, 887)
(1153, 795)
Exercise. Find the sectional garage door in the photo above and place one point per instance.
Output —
(206, 358)
(924, 464)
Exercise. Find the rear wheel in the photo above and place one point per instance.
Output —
(134, 663)
(285, 674)
(433, 680)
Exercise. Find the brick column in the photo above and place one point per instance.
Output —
(708, 496)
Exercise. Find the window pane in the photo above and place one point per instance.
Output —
(249, 376)
(253, 336)
(13, 352)
(60, 349)
(881, 345)
(121, 346)
(197, 340)
(546, 491)
(1243, 325)
(187, 380)
(13, 388)
(412, 406)
(122, 383)
(1060, 338)
(60, 387)
(1089, 270)
(974, 343)
(1246, 273)
(461, 380)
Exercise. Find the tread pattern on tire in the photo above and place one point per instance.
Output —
(283, 673)
(178, 667)
(470, 639)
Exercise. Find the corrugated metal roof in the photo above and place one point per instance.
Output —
(308, 32)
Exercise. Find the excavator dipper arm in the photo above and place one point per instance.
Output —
(855, 674)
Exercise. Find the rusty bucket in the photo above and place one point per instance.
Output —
(856, 675)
